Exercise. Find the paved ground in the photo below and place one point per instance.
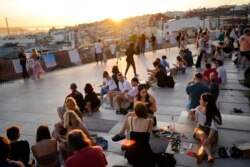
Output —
(29, 103)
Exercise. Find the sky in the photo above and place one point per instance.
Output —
(25, 13)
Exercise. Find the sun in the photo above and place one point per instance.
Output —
(117, 20)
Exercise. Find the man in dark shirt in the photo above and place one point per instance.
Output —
(20, 149)
(153, 43)
(160, 77)
(22, 57)
(77, 96)
(4, 153)
(130, 58)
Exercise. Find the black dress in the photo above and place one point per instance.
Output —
(140, 154)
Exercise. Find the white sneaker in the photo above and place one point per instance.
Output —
(109, 107)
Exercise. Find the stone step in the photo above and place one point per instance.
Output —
(229, 122)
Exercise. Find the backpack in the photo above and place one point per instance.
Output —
(170, 82)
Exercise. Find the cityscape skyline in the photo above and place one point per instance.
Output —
(25, 13)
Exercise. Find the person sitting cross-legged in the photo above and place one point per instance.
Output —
(150, 103)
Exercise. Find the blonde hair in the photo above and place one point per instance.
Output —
(70, 119)
(35, 52)
(71, 100)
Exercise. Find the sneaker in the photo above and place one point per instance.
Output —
(118, 137)
(119, 112)
(109, 107)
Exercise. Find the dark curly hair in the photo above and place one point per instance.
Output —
(88, 88)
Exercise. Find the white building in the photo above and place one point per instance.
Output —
(176, 25)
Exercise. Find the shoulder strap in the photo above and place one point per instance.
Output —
(131, 124)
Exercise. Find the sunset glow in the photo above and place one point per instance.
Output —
(72, 12)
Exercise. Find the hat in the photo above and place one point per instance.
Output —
(135, 80)
(73, 86)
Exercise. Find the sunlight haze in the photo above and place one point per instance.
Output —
(71, 12)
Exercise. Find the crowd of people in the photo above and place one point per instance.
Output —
(71, 138)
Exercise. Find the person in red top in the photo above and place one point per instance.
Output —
(207, 72)
(84, 154)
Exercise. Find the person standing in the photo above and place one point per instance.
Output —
(98, 51)
(23, 61)
(130, 58)
(117, 51)
(153, 43)
(244, 42)
(36, 64)
(142, 44)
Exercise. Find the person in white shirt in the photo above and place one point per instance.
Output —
(208, 48)
(219, 54)
(98, 51)
(127, 97)
(222, 73)
(107, 85)
(124, 87)
(208, 117)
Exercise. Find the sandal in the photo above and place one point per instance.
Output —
(118, 138)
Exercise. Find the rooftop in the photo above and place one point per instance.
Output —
(29, 103)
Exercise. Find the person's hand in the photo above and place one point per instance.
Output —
(191, 82)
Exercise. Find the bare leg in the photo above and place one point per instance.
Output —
(60, 113)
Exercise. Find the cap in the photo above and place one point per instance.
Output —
(135, 80)
(73, 86)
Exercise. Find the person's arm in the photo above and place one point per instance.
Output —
(153, 105)
(88, 106)
(18, 163)
(192, 115)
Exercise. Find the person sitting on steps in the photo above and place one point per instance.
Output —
(150, 103)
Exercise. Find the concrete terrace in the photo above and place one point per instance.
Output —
(29, 103)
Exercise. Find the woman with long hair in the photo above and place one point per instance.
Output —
(70, 104)
(84, 154)
(107, 85)
(45, 150)
(208, 117)
(93, 103)
(36, 64)
(140, 126)
(150, 103)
